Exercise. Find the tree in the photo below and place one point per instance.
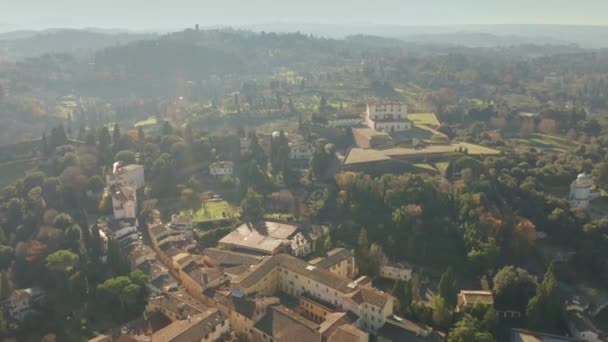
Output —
(72, 236)
(601, 175)
(543, 311)
(441, 313)
(524, 237)
(469, 329)
(121, 290)
(403, 292)
(104, 147)
(116, 134)
(362, 251)
(7, 255)
(167, 128)
(63, 221)
(62, 261)
(377, 258)
(513, 288)
(190, 200)
(447, 287)
(127, 157)
(251, 206)
(96, 184)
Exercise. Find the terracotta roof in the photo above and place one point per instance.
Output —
(466, 297)
(193, 329)
(224, 258)
(334, 257)
(296, 265)
(374, 297)
(400, 329)
(348, 333)
(520, 335)
(284, 325)
(265, 237)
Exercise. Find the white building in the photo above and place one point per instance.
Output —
(387, 116)
(124, 201)
(221, 169)
(396, 271)
(291, 275)
(132, 175)
(22, 302)
(300, 150)
(580, 191)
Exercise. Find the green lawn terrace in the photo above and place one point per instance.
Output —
(544, 142)
(426, 119)
(212, 213)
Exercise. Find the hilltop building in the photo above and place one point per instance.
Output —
(581, 192)
(387, 116)
(23, 302)
(271, 238)
(132, 175)
(339, 261)
(324, 291)
(221, 168)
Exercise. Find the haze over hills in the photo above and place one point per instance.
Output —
(25, 43)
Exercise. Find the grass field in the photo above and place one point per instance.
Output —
(545, 141)
(151, 121)
(10, 172)
(424, 119)
(212, 211)
(442, 167)
(425, 166)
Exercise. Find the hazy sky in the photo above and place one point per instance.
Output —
(159, 14)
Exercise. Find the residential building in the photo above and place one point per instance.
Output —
(220, 169)
(181, 222)
(124, 231)
(520, 335)
(396, 271)
(301, 150)
(295, 277)
(176, 306)
(131, 175)
(233, 264)
(581, 192)
(387, 116)
(140, 255)
(124, 200)
(271, 238)
(580, 326)
(22, 302)
(339, 261)
(208, 326)
(399, 329)
(467, 299)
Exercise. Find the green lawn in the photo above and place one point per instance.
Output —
(151, 121)
(424, 119)
(442, 167)
(425, 166)
(545, 141)
(212, 211)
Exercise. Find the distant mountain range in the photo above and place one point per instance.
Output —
(27, 43)
(467, 35)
